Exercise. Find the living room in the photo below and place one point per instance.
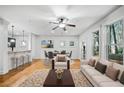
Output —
(61, 46)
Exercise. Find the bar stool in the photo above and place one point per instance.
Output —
(17, 57)
(22, 60)
(13, 60)
(25, 59)
(28, 58)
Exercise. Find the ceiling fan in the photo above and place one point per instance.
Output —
(62, 23)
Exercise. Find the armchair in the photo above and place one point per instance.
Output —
(61, 61)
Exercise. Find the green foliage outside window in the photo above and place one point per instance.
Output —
(96, 43)
(115, 52)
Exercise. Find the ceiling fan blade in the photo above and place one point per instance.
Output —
(71, 25)
(55, 27)
(53, 22)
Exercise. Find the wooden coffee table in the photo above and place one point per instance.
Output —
(52, 81)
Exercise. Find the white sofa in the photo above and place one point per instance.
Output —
(101, 80)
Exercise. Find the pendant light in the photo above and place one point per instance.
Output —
(23, 41)
(12, 39)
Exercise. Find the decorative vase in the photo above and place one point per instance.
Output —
(59, 73)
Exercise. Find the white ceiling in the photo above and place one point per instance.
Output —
(35, 18)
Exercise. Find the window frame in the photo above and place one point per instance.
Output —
(108, 39)
(98, 41)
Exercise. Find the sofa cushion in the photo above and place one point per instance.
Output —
(112, 73)
(122, 78)
(101, 78)
(86, 67)
(92, 62)
(100, 67)
(111, 84)
(92, 72)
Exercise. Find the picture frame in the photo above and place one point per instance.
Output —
(72, 43)
(47, 44)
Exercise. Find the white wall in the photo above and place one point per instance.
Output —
(57, 39)
(87, 35)
(3, 46)
(33, 46)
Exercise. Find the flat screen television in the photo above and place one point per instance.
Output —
(11, 44)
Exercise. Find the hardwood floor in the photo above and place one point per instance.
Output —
(76, 64)
(16, 74)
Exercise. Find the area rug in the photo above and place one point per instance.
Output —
(79, 79)
(37, 79)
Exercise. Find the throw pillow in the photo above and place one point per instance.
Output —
(100, 67)
(112, 73)
(122, 78)
(61, 59)
(92, 62)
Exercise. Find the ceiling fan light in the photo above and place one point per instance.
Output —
(62, 25)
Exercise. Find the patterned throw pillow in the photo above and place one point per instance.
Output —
(112, 73)
(92, 62)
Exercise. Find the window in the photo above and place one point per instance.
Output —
(96, 43)
(115, 52)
